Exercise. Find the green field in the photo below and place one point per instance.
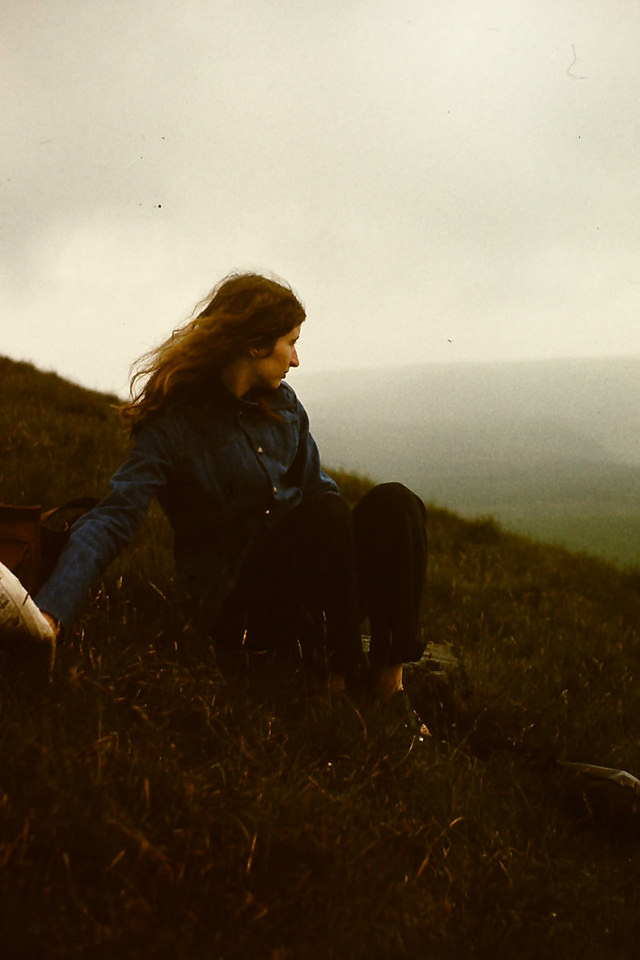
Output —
(613, 537)
(151, 808)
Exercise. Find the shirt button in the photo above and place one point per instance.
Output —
(260, 450)
(275, 489)
(267, 512)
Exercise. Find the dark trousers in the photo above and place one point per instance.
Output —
(323, 568)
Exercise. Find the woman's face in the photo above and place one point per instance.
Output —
(269, 371)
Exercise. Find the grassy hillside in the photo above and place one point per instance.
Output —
(150, 808)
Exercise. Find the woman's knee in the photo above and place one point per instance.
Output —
(392, 499)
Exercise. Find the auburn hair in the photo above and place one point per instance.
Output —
(244, 311)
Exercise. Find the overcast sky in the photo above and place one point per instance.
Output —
(437, 179)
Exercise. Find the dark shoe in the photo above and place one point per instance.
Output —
(397, 715)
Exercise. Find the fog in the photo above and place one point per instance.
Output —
(442, 181)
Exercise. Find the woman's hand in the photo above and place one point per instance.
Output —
(53, 623)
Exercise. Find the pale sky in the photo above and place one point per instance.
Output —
(439, 180)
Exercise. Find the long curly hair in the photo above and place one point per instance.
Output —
(244, 311)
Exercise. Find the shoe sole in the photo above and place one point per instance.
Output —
(20, 618)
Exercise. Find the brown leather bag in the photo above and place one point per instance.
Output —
(31, 540)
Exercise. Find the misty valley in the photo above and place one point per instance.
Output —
(550, 449)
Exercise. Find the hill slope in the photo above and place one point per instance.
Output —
(149, 807)
(57, 440)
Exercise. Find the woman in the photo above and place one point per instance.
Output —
(262, 540)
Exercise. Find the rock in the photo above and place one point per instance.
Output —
(439, 688)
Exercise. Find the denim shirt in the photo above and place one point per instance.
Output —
(222, 470)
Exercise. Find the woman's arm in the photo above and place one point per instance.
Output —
(100, 534)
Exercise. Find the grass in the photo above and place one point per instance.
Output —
(151, 808)
(613, 536)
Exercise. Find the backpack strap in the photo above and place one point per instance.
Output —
(80, 503)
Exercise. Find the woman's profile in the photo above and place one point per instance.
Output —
(263, 541)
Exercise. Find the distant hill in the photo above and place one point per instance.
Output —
(549, 448)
